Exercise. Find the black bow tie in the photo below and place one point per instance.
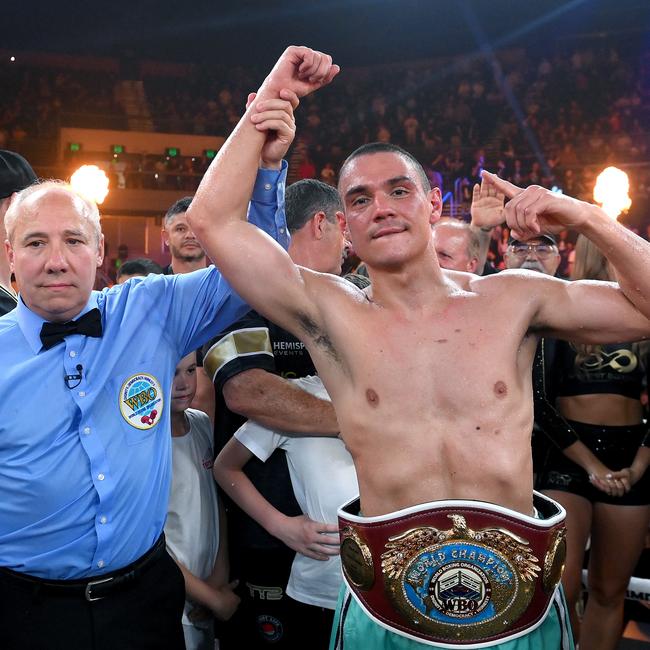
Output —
(90, 324)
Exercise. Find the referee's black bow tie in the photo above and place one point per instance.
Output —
(89, 324)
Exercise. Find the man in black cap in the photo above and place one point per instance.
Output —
(540, 254)
(15, 175)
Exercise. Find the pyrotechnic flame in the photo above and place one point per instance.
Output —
(90, 181)
(611, 191)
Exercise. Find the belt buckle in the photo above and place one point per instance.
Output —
(87, 592)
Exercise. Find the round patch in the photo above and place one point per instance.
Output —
(269, 628)
(141, 401)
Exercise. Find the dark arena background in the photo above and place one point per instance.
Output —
(544, 92)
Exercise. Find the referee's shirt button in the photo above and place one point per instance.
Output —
(267, 186)
(100, 564)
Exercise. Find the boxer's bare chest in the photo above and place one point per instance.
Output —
(431, 392)
(435, 357)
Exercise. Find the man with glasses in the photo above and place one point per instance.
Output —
(539, 254)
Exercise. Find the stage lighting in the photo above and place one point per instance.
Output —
(611, 191)
(91, 182)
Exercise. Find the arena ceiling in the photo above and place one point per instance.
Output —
(355, 31)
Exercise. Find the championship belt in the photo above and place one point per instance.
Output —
(455, 573)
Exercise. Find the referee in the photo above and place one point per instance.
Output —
(85, 427)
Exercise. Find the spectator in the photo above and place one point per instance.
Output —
(322, 478)
(457, 246)
(138, 268)
(186, 252)
(307, 169)
(328, 175)
(82, 552)
(15, 174)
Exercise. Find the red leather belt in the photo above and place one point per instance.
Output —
(456, 573)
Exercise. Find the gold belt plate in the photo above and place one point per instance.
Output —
(459, 584)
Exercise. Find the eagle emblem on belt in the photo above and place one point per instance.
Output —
(459, 583)
(401, 547)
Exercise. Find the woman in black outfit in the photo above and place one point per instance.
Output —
(598, 472)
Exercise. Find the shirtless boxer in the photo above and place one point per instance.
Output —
(429, 372)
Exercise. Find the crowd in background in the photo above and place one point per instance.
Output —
(555, 121)
(548, 120)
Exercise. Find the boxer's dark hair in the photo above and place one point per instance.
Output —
(387, 147)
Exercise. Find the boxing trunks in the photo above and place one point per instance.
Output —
(455, 573)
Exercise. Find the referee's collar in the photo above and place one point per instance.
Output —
(31, 323)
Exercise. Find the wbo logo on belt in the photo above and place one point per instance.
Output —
(141, 401)
(464, 582)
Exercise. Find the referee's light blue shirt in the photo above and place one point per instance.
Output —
(85, 470)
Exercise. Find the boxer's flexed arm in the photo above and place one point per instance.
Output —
(586, 311)
(257, 268)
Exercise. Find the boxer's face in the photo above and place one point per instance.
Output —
(389, 214)
(54, 253)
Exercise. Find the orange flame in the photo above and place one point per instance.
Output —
(611, 191)
(91, 182)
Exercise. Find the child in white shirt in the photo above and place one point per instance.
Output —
(195, 530)
(323, 478)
